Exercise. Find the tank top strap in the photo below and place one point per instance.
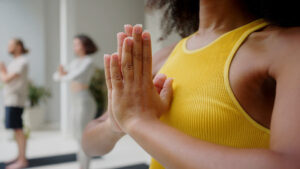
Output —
(259, 24)
(230, 38)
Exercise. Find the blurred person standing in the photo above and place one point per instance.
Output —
(15, 79)
(79, 72)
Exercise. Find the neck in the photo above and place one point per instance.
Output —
(222, 15)
(81, 56)
(16, 55)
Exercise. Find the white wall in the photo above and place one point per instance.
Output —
(103, 19)
(26, 21)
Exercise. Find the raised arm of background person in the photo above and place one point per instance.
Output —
(8, 77)
(73, 71)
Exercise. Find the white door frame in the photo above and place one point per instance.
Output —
(67, 29)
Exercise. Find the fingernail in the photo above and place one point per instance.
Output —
(115, 57)
(127, 25)
(140, 25)
(146, 35)
(138, 29)
(129, 41)
(119, 34)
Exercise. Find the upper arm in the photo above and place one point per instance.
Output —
(285, 124)
(160, 57)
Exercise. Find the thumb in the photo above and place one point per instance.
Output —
(166, 93)
(159, 81)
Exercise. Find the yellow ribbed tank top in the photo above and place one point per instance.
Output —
(204, 105)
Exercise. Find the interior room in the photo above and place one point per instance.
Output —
(48, 27)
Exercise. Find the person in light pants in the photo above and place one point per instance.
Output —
(79, 72)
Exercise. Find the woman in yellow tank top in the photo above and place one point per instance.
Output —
(217, 113)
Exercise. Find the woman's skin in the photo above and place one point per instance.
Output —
(267, 56)
(110, 131)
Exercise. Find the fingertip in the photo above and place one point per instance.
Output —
(129, 41)
(146, 35)
(115, 55)
(121, 35)
(159, 80)
(127, 27)
(112, 56)
(138, 29)
(139, 25)
(106, 57)
(170, 81)
(162, 76)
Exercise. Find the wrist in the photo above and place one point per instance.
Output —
(115, 132)
(137, 122)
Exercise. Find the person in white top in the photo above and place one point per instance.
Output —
(79, 73)
(15, 93)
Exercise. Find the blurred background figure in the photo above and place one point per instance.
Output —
(15, 93)
(80, 72)
(49, 27)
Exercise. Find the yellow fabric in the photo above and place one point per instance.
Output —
(204, 105)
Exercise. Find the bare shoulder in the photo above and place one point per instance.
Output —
(284, 47)
(160, 57)
(288, 37)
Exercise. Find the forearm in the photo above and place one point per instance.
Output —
(98, 138)
(58, 77)
(6, 78)
(2, 76)
(175, 150)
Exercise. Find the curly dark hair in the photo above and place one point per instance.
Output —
(182, 16)
(89, 45)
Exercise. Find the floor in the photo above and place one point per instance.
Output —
(51, 143)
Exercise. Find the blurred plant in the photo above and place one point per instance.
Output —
(37, 94)
(99, 90)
